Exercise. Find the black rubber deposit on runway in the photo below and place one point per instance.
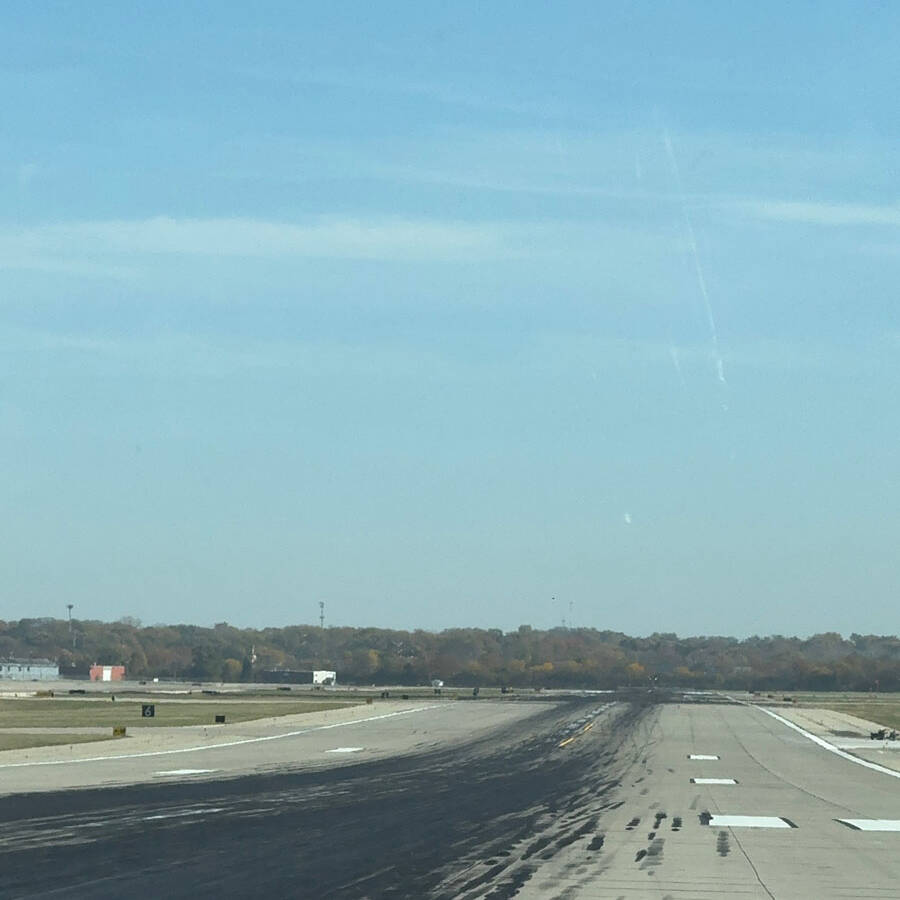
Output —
(475, 820)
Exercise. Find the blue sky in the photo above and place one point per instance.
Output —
(438, 311)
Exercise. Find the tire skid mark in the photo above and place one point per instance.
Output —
(554, 826)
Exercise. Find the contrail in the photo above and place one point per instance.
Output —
(695, 256)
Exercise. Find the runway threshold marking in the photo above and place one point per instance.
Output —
(713, 781)
(706, 756)
(871, 824)
(224, 745)
(826, 745)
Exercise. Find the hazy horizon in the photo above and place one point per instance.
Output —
(438, 313)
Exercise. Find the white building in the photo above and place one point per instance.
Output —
(29, 669)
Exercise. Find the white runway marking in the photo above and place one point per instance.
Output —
(222, 746)
(185, 812)
(871, 824)
(345, 750)
(749, 822)
(825, 745)
(713, 781)
(701, 756)
(168, 772)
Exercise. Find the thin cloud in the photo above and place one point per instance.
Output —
(605, 247)
(173, 354)
(383, 239)
(442, 92)
(824, 214)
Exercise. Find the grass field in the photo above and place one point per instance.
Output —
(881, 708)
(24, 741)
(817, 698)
(80, 713)
(887, 714)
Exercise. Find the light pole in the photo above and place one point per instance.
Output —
(69, 610)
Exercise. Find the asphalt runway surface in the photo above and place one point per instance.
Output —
(573, 800)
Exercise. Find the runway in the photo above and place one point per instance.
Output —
(563, 801)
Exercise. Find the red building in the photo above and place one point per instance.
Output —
(107, 673)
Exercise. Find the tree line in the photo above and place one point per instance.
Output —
(525, 657)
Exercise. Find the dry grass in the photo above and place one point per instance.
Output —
(886, 714)
(18, 741)
(58, 713)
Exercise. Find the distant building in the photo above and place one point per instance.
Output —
(29, 669)
(107, 673)
(296, 676)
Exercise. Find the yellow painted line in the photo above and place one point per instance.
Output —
(587, 727)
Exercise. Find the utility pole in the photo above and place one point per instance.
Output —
(72, 635)
(322, 614)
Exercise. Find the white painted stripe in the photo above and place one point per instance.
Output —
(825, 745)
(748, 822)
(701, 756)
(222, 746)
(168, 772)
(345, 750)
(872, 824)
(713, 781)
(185, 812)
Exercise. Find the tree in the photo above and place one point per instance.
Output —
(231, 669)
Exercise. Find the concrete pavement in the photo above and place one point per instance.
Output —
(783, 781)
(326, 738)
(474, 800)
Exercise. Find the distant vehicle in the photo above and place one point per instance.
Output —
(437, 683)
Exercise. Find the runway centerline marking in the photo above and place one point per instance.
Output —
(825, 745)
(345, 750)
(186, 812)
(706, 756)
(167, 772)
(713, 781)
(240, 743)
(582, 730)
(871, 824)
